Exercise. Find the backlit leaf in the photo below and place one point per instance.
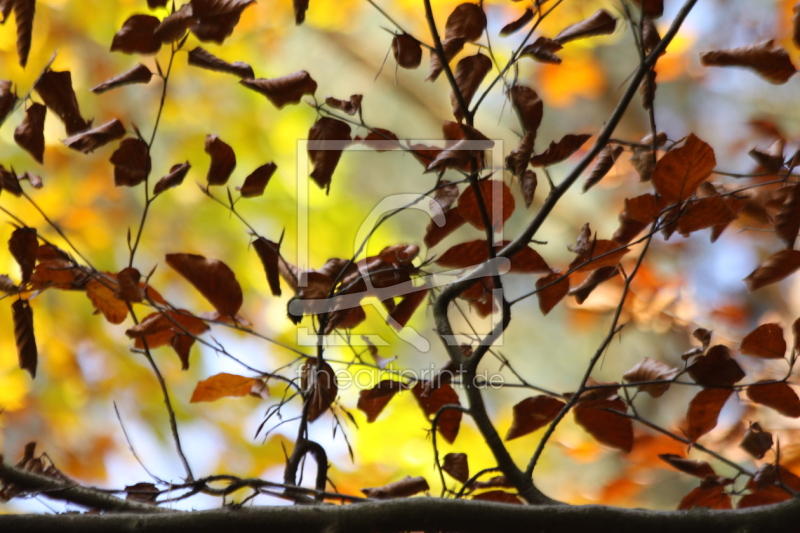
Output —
(704, 411)
(129, 289)
(716, 368)
(551, 289)
(173, 179)
(98, 137)
(528, 106)
(408, 486)
(711, 497)
(651, 370)
(467, 21)
(756, 441)
(102, 296)
(605, 161)
(55, 88)
(407, 51)
(24, 11)
(157, 329)
(516, 25)
(774, 269)
(222, 385)
(223, 160)
(432, 400)
(599, 418)
(138, 74)
(469, 74)
(601, 23)
(213, 278)
(285, 90)
(202, 58)
(497, 199)
(559, 151)
(373, 401)
(327, 139)
(680, 172)
(257, 181)
(24, 247)
(766, 341)
(137, 36)
(533, 413)
(770, 62)
(269, 253)
(456, 465)
(778, 395)
(451, 47)
(131, 162)
(319, 387)
(29, 135)
(27, 352)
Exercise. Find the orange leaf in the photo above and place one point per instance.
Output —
(213, 278)
(605, 161)
(766, 341)
(101, 293)
(497, 199)
(680, 172)
(222, 386)
(606, 426)
(704, 410)
(533, 413)
(710, 497)
(770, 62)
(373, 401)
(550, 291)
(774, 269)
(705, 213)
(779, 396)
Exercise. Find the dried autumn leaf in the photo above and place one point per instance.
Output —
(756, 441)
(680, 172)
(605, 161)
(456, 465)
(23, 334)
(651, 370)
(407, 51)
(432, 400)
(55, 88)
(222, 386)
(202, 58)
(269, 253)
(516, 25)
(787, 219)
(704, 411)
(223, 160)
(382, 140)
(467, 254)
(24, 11)
(650, 36)
(24, 247)
(559, 151)
(712, 496)
(408, 486)
(497, 199)
(699, 469)
(351, 106)
(29, 135)
(142, 492)
(772, 158)
(533, 413)
(285, 90)
(319, 386)
(766, 341)
(603, 421)
(716, 368)
(517, 161)
(499, 496)
(543, 50)
(257, 181)
(129, 287)
(796, 25)
(300, 8)
(467, 21)
(175, 26)
(601, 23)
(529, 107)
(469, 74)
(93, 139)
(774, 269)
(213, 278)
(435, 233)
(705, 213)
(585, 289)
(137, 36)
(401, 314)
(327, 139)
(601, 253)
(551, 289)
(7, 99)
(173, 179)
(770, 62)
(527, 184)
(102, 296)
(215, 20)
(373, 401)
(444, 197)
(131, 162)
(157, 329)
(138, 74)
(777, 395)
(152, 4)
(451, 47)
(651, 8)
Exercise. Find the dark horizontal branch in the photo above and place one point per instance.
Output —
(420, 514)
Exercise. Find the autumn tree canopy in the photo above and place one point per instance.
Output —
(440, 266)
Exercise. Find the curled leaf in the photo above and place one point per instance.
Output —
(137, 36)
(327, 139)
(601, 23)
(131, 162)
(469, 74)
(318, 382)
(213, 278)
(255, 183)
(285, 90)
(30, 134)
(774, 269)
(98, 137)
(605, 161)
(407, 51)
(651, 370)
(223, 160)
(24, 11)
(770, 62)
(56, 90)
(138, 74)
(559, 151)
(27, 352)
(516, 25)
(173, 179)
(199, 57)
(408, 486)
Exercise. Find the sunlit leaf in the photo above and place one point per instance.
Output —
(222, 385)
(651, 370)
(704, 411)
(285, 90)
(102, 295)
(533, 413)
(373, 401)
(777, 395)
(29, 135)
(23, 334)
(602, 420)
(770, 62)
(775, 268)
(680, 172)
(213, 278)
(601, 23)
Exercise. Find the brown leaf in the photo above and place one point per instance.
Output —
(517, 161)
(716, 368)
(528, 106)
(599, 418)
(223, 160)
(327, 139)
(796, 25)
(157, 329)
(699, 469)
(319, 386)
(651, 8)
(130, 289)
(152, 4)
(467, 21)
(351, 106)
(142, 492)
(55, 88)
(23, 333)
(213, 278)
(766, 341)
(7, 99)
(710, 497)
(7, 285)
(373, 401)
(705, 213)
(138, 74)
(222, 386)
(29, 135)
(605, 161)
(10, 182)
(704, 410)
(175, 26)
(102, 296)
(648, 89)
(601, 23)
(533, 413)
(778, 395)
(772, 158)
(137, 36)
(550, 291)
(643, 162)
(98, 137)
(300, 8)
(597, 277)
(408, 486)
(24, 11)
(432, 400)
(680, 172)
(407, 51)
(559, 151)
(518, 24)
(131, 162)
(543, 50)
(24, 247)
(600, 253)
(173, 179)
(774, 269)
(756, 441)
(285, 90)
(770, 62)
(269, 253)
(401, 314)
(650, 36)
(651, 370)
(467, 254)
(451, 47)
(214, 20)
(456, 465)
(497, 199)
(257, 181)
(434, 233)
(381, 140)
(444, 197)
(200, 57)
(469, 74)
(787, 219)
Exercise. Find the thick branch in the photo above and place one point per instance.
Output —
(421, 514)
